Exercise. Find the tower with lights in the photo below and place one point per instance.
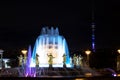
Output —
(93, 29)
(93, 36)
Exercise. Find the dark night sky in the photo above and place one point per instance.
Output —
(21, 22)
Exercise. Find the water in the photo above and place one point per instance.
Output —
(29, 71)
(50, 42)
(58, 72)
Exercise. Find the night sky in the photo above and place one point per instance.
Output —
(21, 22)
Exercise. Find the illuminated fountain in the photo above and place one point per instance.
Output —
(50, 42)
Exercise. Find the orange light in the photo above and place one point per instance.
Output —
(88, 52)
(118, 51)
(24, 52)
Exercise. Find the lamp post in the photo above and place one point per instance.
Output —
(87, 52)
(1, 53)
(118, 60)
(24, 52)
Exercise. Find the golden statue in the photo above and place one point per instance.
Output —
(64, 58)
(50, 61)
(20, 60)
(37, 60)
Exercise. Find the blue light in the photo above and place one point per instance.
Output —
(50, 42)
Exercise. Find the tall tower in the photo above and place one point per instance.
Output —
(93, 36)
(93, 28)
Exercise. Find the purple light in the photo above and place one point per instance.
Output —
(114, 75)
(28, 68)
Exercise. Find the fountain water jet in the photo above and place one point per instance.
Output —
(50, 42)
(29, 71)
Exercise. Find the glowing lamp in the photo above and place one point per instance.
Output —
(24, 52)
(118, 51)
(88, 52)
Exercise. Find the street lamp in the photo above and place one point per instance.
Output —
(88, 53)
(24, 52)
(118, 60)
(1, 53)
(118, 51)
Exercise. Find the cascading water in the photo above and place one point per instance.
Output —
(50, 42)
